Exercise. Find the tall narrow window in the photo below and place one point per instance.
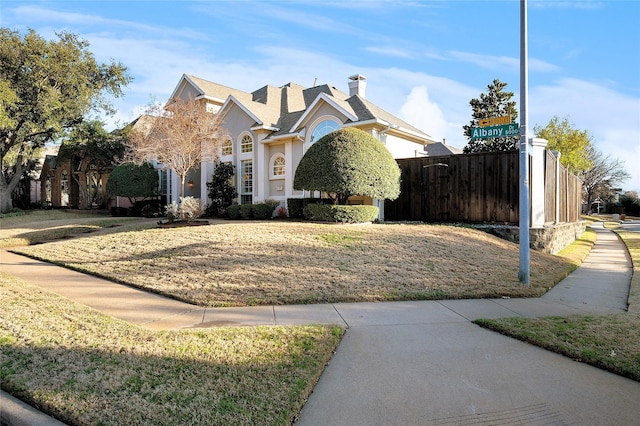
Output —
(227, 147)
(64, 189)
(246, 145)
(246, 197)
(165, 188)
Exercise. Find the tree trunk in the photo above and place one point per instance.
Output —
(6, 189)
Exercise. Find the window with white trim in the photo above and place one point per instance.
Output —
(246, 167)
(227, 147)
(246, 144)
(277, 166)
(323, 128)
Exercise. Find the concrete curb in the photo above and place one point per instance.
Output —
(14, 412)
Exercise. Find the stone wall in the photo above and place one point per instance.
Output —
(549, 239)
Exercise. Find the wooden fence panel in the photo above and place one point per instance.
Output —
(480, 187)
(550, 187)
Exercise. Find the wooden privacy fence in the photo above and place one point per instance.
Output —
(479, 187)
(562, 200)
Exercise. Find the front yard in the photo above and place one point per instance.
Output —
(85, 368)
(284, 262)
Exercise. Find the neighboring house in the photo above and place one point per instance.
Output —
(62, 185)
(271, 129)
(439, 149)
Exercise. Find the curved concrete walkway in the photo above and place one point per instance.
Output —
(419, 362)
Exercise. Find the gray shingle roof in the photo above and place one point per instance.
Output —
(282, 107)
(440, 149)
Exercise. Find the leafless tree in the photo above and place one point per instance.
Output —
(601, 179)
(179, 136)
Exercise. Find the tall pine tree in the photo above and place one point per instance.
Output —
(495, 103)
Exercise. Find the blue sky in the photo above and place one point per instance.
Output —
(424, 60)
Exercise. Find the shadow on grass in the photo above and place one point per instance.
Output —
(339, 264)
(96, 386)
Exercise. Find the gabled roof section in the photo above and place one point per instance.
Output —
(231, 100)
(215, 92)
(341, 106)
(367, 111)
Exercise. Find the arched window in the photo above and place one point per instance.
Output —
(277, 166)
(246, 144)
(323, 128)
(227, 147)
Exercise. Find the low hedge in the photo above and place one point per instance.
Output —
(233, 211)
(296, 205)
(340, 213)
(261, 211)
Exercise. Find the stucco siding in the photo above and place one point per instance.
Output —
(401, 148)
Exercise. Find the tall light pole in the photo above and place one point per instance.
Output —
(524, 273)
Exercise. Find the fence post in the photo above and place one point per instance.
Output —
(537, 181)
(559, 190)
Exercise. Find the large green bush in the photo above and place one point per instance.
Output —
(133, 181)
(349, 162)
(339, 213)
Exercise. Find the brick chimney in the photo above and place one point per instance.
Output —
(357, 85)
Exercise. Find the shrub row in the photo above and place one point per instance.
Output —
(261, 211)
(340, 213)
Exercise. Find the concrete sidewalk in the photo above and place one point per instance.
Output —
(418, 362)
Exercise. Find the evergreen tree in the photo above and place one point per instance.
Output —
(495, 103)
(221, 189)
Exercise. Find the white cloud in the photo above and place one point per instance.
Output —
(418, 108)
(79, 20)
(501, 62)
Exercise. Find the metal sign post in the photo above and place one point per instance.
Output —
(524, 273)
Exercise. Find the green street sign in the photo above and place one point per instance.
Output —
(502, 131)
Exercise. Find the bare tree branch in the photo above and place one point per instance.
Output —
(180, 137)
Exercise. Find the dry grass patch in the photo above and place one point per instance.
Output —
(86, 368)
(280, 262)
(41, 226)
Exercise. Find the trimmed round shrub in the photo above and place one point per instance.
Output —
(342, 214)
(349, 162)
(246, 211)
(262, 211)
(133, 181)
